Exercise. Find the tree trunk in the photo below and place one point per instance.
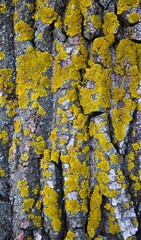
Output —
(70, 119)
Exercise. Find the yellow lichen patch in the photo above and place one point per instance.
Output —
(113, 227)
(36, 190)
(26, 131)
(124, 5)
(2, 172)
(38, 204)
(23, 31)
(73, 18)
(55, 156)
(135, 146)
(28, 204)
(17, 126)
(2, 55)
(134, 81)
(73, 206)
(133, 17)
(101, 47)
(72, 183)
(68, 71)
(121, 118)
(3, 8)
(30, 77)
(37, 221)
(95, 212)
(14, 2)
(23, 187)
(111, 23)
(118, 94)
(114, 158)
(30, 6)
(98, 98)
(4, 136)
(95, 20)
(46, 14)
(11, 108)
(45, 160)
(24, 156)
(39, 145)
(51, 208)
(5, 75)
(103, 177)
(70, 235)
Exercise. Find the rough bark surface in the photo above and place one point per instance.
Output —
(70, 119)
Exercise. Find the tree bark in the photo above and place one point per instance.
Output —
(70, 119)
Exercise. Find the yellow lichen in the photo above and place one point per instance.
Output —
(37, 221)
(17, 125)
(23, 31)
(28, 204)
(30, 77)
(95, 212)
(23, 187)
(133, 17)
(72, 206)
(2, 172)
(73, 18)
(70, 235)
(124, 5)
(26, 131)
(39, 145)
(24, 156)
(51, 208)
(4, 136)
(46, 14)
(30, 6)
(111, 23)
(3, 8)
(2, 55)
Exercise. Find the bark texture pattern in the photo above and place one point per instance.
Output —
(70, 119)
